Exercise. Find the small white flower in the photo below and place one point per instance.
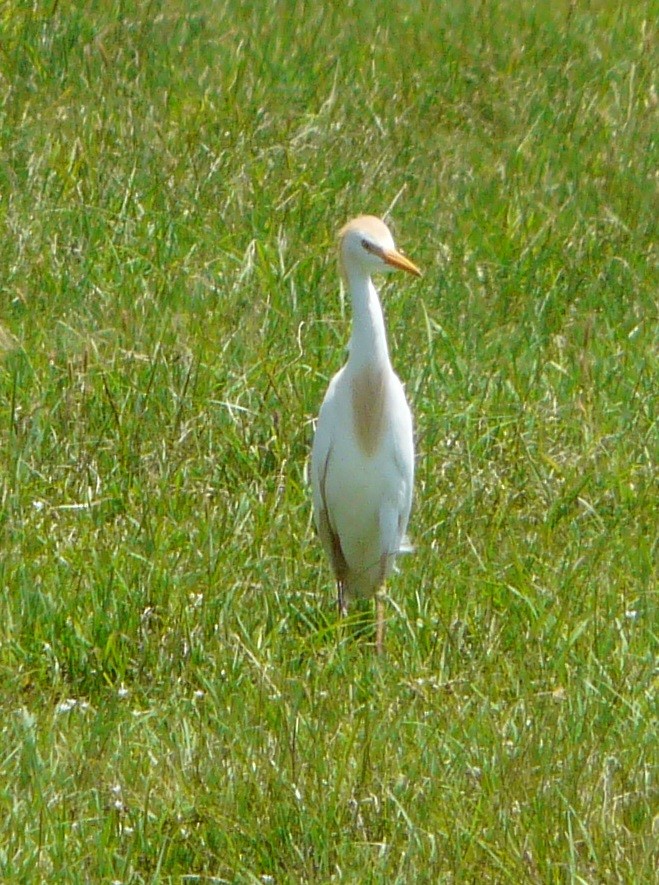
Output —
(66, 706)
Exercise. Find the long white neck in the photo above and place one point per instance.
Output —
(368, 343)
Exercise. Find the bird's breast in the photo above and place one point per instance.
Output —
(368, 408)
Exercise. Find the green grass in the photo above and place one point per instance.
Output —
(176, 701)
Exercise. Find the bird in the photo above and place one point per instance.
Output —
(362, 457)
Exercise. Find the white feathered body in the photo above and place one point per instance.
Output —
(362, 461)
(362, 477)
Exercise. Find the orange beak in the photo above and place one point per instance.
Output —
(395, 259)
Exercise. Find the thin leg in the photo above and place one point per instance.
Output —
(341, 601)
(379, 629)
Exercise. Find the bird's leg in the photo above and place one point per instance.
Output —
(341, 601)
(379, 629)
(379, 606)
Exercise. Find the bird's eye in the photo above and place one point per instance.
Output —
(366, 245)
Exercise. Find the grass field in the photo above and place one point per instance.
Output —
(176, 701)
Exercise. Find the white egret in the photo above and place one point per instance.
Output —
(362, 461)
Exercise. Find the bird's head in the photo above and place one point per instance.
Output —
(366, 243)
